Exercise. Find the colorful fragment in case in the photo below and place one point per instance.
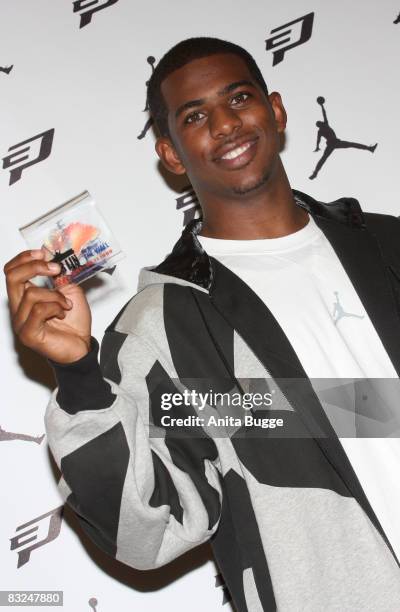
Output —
(76, 236)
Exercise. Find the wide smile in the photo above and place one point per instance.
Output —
(238, 157)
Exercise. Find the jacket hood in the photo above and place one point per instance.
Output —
(189, 264)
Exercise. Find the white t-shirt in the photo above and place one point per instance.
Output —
(303, 283)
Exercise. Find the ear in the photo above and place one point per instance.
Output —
(169, 156)
(278, 110)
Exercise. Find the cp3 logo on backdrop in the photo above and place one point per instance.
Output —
(286, 37)
(87, 8)
(27, 540)
(188, 203)
(27, 153)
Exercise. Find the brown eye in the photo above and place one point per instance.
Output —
(241, 95)
(192, 118)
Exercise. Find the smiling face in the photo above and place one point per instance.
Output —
(224, 129)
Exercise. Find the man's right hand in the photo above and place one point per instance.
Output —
(54, 323)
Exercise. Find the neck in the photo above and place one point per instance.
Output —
(270, 213)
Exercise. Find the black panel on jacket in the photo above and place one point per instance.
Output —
(194, 352)
(96, 473)
(288, 462)
(188, 447)
(165, 492)
(237, 545)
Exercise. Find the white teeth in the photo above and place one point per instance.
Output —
(236, 152)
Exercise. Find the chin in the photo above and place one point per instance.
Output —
(252, 185)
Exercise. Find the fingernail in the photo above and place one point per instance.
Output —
(53, 267)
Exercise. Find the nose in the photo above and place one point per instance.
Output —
(223, 121)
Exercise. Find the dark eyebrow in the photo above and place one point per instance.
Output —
(222, 92)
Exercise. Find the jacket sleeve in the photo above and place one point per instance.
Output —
(141, 494)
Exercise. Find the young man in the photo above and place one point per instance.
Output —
(268, 290)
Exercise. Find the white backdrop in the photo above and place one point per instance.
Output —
(88, 84)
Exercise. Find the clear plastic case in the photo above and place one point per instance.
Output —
(76, 236)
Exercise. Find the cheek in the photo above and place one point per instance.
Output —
(270, 131)
(196, 146)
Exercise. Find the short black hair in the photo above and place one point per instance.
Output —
(181, 54)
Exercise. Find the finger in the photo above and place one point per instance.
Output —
(33, 295)
(33, 326)
(17, 276)
(23, 257)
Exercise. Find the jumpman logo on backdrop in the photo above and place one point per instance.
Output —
(9, 435)
(397, 20)
(150, 60)
(339, 312)
(6, 69)
(93, 603)
(332, 141)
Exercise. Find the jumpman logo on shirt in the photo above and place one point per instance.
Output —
(339, 312)
(332, 141)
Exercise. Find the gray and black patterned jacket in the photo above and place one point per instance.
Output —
(288, 521)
